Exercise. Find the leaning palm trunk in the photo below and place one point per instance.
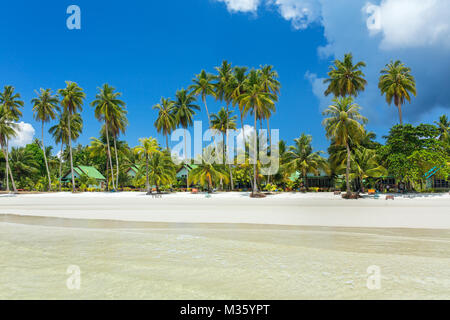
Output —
(9, 168)
(185, 160)
(117, 163)
(347, 169)
(45, 160)
(70, 153)
(147, 182)
(109, 156)
(226, 149)
(270, 146)
(60, 167)
(255, 187)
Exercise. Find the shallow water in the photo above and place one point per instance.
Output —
(132, 260)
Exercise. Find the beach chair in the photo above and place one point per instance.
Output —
(389, 197)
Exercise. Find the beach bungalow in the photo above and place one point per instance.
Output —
(133, 170)
(321, 180)
(88, 171)
(182, 173)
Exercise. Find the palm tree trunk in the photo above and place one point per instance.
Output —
(109, 156)
(6, 169)
(107, 174)
(10, 171)
(60, 167)
(270, 145)
(167, 141)
(347, 169)
(362, 184)
(70, 152)
(399, 107)
(185, 159)
(226, 149)
(117, 163)
(255, 187)
(45, 160)
(146, 170)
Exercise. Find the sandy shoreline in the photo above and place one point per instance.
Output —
(315, 209)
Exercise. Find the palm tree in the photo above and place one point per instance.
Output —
(72, 101)
(237, 88)
(222, 121)
(270, 83)
(206, 173)
(109, 108)
(366, 163)
(23, 162)
(203, 86)
(444, 127)
(184, 111)
(12, 104)
(162, 169)
(343, 124)
(166, 121)
(60, 134)
(345, 78)
(223, 92)
(8, 130)
(255, 100)
(44, 108)
(99, 148)
(397, 83)
(148, 147)
(301, 157)
(119, 124)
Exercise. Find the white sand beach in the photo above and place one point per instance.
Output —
(184, 246)
(311, 209)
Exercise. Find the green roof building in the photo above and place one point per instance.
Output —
(88, 171)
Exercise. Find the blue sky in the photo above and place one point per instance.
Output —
(149, 49)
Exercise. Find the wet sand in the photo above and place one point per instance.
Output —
(143, 260)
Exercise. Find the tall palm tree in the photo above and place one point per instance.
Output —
(237, 88)
(397, 83)
(344, 123)
(109, 108)
(203, 86)
(345, 78)
(148, 147)
(60, 134)
(72, 101)
(270, 83)
(255, 100)
(8, 130)
(444, 127)
(45, 107)
(165, 123)
(12, 104)
(184, 111)
(119, 124)
(302, 158)
(222, 121)
(223, 92)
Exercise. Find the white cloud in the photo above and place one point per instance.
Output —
(318, 88)
(409, 23)
(25, 134)
(241, 5)
(300, 12)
